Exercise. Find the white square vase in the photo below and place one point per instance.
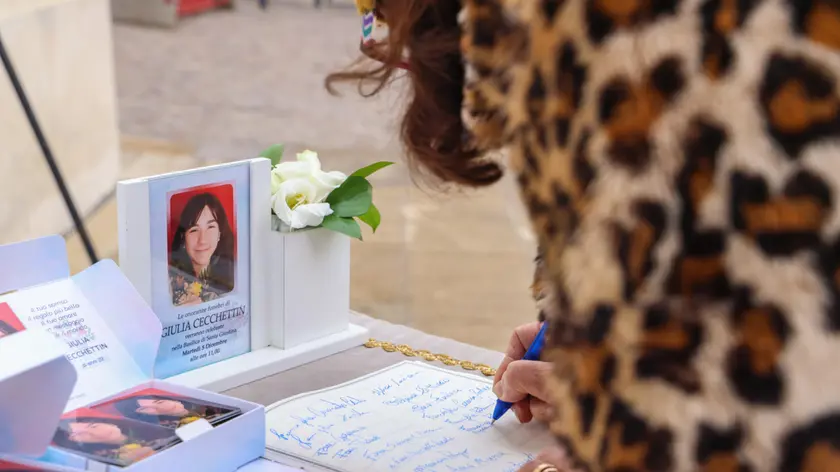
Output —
(309, 290)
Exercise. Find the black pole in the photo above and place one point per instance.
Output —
(42, 141)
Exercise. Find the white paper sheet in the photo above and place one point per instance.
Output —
(103, 365)
(409, 417)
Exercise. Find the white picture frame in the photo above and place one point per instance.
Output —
(269, 353)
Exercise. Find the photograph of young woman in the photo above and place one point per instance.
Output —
(169, 411)
(118, 441)
(201, 258)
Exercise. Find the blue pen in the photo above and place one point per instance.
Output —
(532, 354)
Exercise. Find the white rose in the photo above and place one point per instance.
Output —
(324, 180)
(294, 203)
(288, 170)
(307, 166)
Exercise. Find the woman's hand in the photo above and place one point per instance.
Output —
(523, 382)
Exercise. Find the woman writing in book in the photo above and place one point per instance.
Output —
(170, 412)
(111, 439)
(678, 162)
(201, 261)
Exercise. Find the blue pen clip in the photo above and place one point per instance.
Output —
(532, 354)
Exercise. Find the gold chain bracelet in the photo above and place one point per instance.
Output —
(428, 356)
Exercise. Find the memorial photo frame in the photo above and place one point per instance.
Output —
(187, 243)
(206, 305)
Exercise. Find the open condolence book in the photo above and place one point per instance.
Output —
(410, 416)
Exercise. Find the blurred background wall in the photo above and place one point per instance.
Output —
(63, 53)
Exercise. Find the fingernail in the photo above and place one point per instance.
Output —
(498, 390)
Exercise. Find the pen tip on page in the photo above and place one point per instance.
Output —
(491, 422)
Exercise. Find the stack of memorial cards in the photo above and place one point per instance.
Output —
(133, 427)
(109, 438)
(166, 409)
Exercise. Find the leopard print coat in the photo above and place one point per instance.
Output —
(676, 160)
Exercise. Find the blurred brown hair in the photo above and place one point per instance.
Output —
(432, 130)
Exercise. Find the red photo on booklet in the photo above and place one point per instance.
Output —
(167, 409)
(9, 466)
(109, 438)
(9, 322)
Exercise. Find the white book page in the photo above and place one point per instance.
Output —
(103, 365)
(408, 417)
(265, 465)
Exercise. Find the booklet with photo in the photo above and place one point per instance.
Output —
(111, 439)
(103, 364)
(167, 409)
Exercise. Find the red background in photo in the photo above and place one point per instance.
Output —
(15, 467)
(7, 315)
(177, 201)
(89, 413)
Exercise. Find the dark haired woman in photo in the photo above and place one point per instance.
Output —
(201, 261)
(6, 329)
(170, 412)
(119, 440)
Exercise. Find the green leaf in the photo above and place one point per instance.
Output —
(339, 224)
(372, 217)
(352, 198)
(275, 153)
(368, 170)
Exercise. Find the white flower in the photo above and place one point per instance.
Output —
(294, 203)
(307, 166)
